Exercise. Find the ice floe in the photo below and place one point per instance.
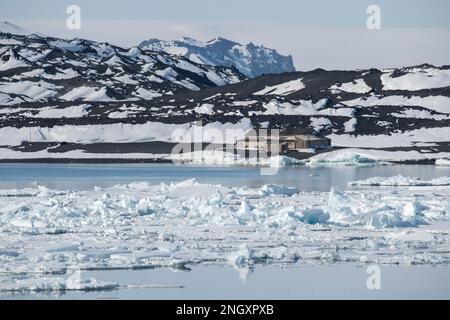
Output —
(348, 157)
(45, 233)
(55, 284)
(401, 181)
(373, 211)
(443, 162)
(218, 157)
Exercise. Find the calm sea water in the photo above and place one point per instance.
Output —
(87, 176)
(329, 281)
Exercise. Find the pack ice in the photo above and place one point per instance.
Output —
(45, 233)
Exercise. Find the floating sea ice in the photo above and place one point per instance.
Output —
(290, 217)
(413, 209)
(269, 189)
(285, 218)
(219, 157)
(401, 181)
(243, 257)
(27, 192)
(387, 217)
(343, 158)
(193, 188)
(164, 236)
(372, 211)
(426, 258)
(313, 216)
(443, 162)
(144, 207)
(164, 225)
(245, 208)
(56, 284)
(38, 191)
(280, 161)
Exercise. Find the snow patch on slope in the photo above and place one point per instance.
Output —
(86, 94)
(436, 103)
(283, 88)
(417, 79)
(123, 132)
(357, 86)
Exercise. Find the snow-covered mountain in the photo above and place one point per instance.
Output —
(251, 60)
(35, 68)
(402, 113)
(109, 102)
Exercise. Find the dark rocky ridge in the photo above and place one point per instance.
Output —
(319, 98)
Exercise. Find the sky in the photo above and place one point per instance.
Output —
(318, 33)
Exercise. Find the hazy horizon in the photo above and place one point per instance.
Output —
(321, 34)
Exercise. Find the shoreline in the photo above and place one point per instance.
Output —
(160, 152)
(153, 161)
